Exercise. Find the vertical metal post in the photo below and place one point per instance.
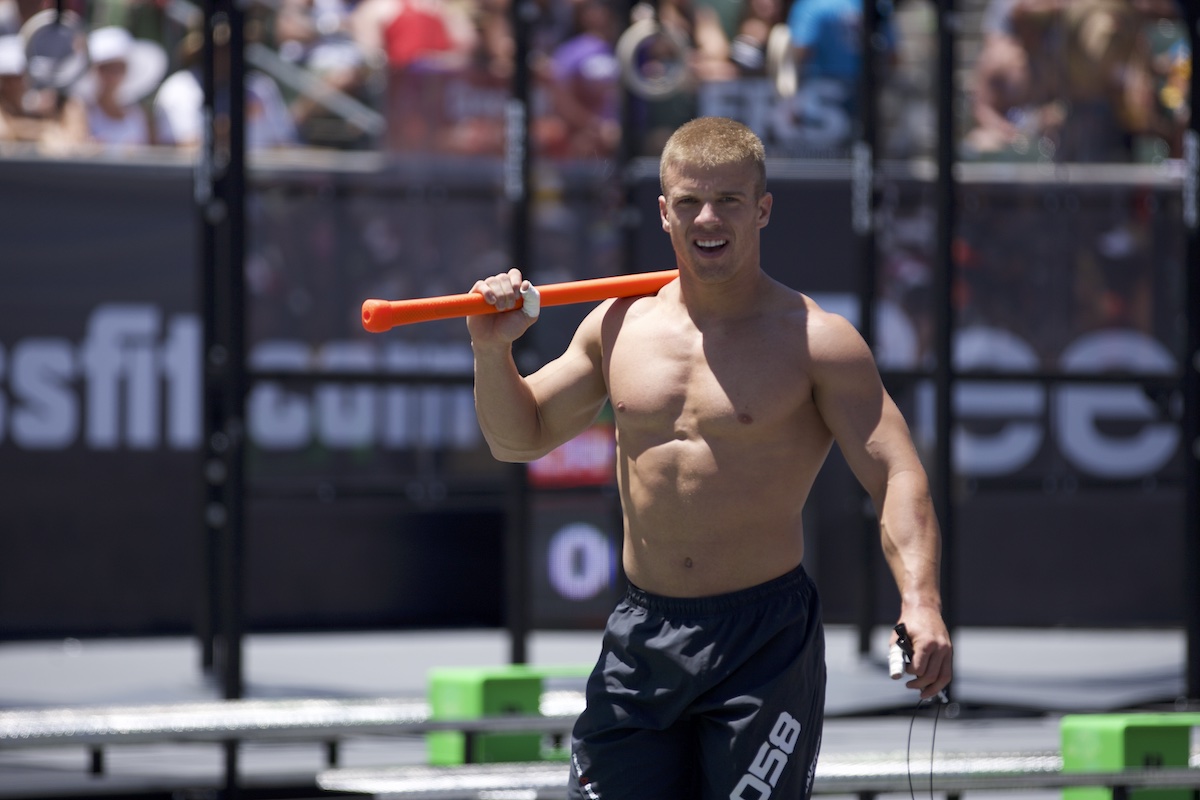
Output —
(231, 755)
(235, 194)
(220, 195)
(517, 174)
(1191, 366)
(209, 212)
(943, 484)
(863, 204)
(630, 144)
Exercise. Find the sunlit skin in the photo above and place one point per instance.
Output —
(729, 390)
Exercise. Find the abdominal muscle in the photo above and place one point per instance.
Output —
(699, 524)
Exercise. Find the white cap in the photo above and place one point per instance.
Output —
(146, 59)
(109, 44)
(12, 55)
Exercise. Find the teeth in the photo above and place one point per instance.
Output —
(710, 242)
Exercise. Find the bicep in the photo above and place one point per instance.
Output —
(570, 390)
(865, 422)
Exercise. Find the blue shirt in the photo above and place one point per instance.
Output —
(831, 31)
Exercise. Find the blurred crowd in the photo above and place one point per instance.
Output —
(398, 74)
(1089, 80)
(1081, 80)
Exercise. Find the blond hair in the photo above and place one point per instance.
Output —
(713, 142)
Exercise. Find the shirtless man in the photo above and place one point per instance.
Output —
(728, 390)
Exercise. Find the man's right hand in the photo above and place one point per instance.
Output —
(504, 292)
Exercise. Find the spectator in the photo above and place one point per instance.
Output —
(409, 32)
(1076, 74)
(1108, 80)
(700, 25)
(423, 45)
(124, 72)
(1014, 95)
(820, 120)
(57, 129)
(476, 104)
(826, 36)
(695, 28)
(586, 87)
(749, 46)
(316, 36)
(495, 49)
(13, 119)
(179, 103)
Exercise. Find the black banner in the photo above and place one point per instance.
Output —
(373, 501)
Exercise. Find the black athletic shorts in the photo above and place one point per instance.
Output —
(712, 698)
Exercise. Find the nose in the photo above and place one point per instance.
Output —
(707, 215)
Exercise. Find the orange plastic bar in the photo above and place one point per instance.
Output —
(380, 316)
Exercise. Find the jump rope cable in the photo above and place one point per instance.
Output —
(932, 744)
(905, 654)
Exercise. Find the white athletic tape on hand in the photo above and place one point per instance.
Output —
(896, 662)
(531, 300)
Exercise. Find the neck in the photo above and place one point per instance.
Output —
(731, 299)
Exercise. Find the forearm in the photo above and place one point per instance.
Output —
(912, 543)
(911, 540)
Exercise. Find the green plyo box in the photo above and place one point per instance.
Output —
(463, 693)
(1114, 742)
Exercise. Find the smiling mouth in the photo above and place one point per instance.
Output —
(711, 245)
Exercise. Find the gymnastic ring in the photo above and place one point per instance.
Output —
(628, 45)
(781, 61)
(56, 52)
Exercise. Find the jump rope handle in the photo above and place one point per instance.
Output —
(900, 654)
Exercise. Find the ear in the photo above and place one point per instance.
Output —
(662, 213)
(764, 209)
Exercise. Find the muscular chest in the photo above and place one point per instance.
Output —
(683, 384)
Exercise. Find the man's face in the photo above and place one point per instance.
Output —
(713, 215)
